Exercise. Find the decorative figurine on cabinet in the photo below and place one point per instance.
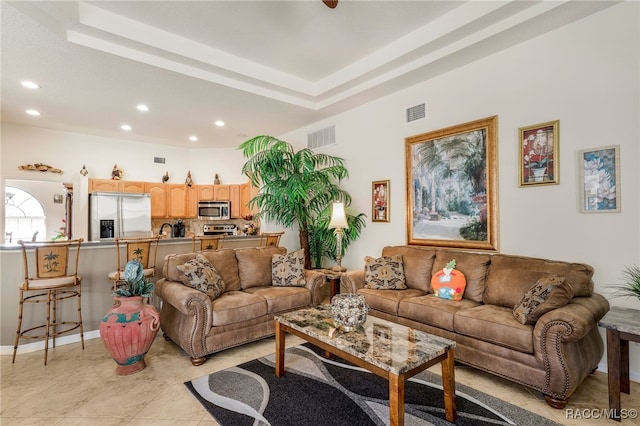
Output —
(216, 181)
(116, 173)
(165, 178)
(189, 181)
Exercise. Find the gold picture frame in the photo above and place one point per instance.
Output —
(380, 201)
(452, 179)
(539, 154)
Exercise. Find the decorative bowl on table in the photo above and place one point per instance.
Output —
(349, 310)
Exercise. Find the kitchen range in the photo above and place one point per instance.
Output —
(219, 229)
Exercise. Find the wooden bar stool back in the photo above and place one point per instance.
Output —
(143, 250)
(53, 281)
(208, 242)
(270, 239)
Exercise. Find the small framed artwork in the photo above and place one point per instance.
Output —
(57, 198)
(380, 203)
(600, 180)
(539, 154)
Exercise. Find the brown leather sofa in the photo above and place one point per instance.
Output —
(553, 356)
(242, 314)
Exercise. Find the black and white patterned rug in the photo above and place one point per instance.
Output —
(319, 391)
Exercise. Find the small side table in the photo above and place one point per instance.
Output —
(623, 325)
(333, 277)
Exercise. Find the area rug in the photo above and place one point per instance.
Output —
(319, 391)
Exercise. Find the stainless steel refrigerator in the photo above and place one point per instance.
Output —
(119, 215)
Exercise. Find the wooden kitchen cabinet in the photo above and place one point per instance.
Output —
(191, 199)
(221, 192)
(131, 186)
(181, 201)
(205, 192)
(247, 192)
(158, 193)
(112, 185)
(234, 198)
(103, 185)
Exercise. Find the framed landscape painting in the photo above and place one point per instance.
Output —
(451, 177)
(539, 154)
(600, 180)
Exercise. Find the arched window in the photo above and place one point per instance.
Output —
(24, 216)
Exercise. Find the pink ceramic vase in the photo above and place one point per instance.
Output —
(128, 330)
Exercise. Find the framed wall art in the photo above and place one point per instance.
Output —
(600, 179)
(539, 154)
(452, 182)
(380, 201)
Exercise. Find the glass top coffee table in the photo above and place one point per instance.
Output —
(390, 350)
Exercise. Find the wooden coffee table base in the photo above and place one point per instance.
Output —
(396, 382)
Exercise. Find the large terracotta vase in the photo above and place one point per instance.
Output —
(128, 330)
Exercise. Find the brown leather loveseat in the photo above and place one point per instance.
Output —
(242, 313)
(553, 355)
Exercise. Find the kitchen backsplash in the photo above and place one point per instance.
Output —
(193, 225)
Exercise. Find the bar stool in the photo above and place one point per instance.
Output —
(51, 283)
(270, 239)
(208, 242)
(143, 250)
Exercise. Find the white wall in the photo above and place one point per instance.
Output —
(585, 75)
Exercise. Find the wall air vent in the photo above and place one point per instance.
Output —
(322, 137)
(416, 113)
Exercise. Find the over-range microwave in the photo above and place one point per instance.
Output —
(214, 210)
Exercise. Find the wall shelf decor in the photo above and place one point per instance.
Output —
(39, 167)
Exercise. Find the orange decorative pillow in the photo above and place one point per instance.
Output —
(449, 283)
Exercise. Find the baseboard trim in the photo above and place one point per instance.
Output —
(39, 346)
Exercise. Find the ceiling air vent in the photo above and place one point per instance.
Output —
(322, 137)
(416, 113)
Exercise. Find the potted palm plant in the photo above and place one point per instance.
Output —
(631, 282)
(131, 324)
(295, 187)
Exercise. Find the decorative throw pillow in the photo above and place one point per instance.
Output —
(200, 274)
(384, 273)
(288, 270)
(548, 293)
(449, 283)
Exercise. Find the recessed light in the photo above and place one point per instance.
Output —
(33, 112)
(142, 107)
(126, 127)
(30, 84)
(219, 123)
(193, 138)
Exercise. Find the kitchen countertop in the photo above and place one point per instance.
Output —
(107, 243)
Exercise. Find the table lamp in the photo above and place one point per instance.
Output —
(338, 222)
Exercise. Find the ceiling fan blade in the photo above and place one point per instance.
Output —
(330, 3)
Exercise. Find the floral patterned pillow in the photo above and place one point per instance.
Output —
(548, 293)
(288, 270)
(384, 273)
(200, 274)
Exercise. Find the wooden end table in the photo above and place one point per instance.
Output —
(623, 326)
(390, 350)
(333, 277)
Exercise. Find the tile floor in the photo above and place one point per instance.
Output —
(80, 388)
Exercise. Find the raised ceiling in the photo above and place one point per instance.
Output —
(264, 67)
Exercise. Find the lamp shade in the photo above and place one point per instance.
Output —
(338, 217)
